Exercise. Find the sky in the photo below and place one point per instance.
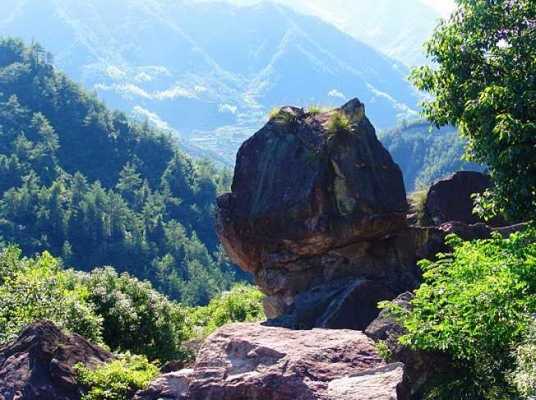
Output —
(444, 7)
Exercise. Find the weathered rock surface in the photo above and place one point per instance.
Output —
(451, 199)
(318, 217)
(39, 363)
(251, 361)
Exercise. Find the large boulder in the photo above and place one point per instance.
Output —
(251, 361)
(318, 207)
(39, 364)
(451, 199)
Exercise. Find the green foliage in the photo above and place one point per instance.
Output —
(338, 123)
(417, 202)
(482, 80)
(524, 376)
(118, 379)
(135, 316)
(95, 188)
(474, 304)
(38, 288)
(105, 307)
(281, 116)
(315, 109)
(425, 154)
(383, 350)
(240, 304)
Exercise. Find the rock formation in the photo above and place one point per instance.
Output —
(317, 214)
(39, 363)
(251, 361)
(450, 199)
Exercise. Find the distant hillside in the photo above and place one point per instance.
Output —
(210, 71)
(425, 153)
(96, 188)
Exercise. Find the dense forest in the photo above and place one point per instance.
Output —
(97, 188)
(425, 153)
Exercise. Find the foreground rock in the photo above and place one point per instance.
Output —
(39, 363)
(319, 217)
(251, 361)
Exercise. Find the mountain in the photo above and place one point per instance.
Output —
(396, 28)
(210, 71)
(425, 153)
(96, 188)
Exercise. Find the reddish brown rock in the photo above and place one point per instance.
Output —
(39, 363)
(251, 361)
(312, 211)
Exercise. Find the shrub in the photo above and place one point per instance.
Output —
(135, 316)
(38, 288)
(240, 304)
(524, 376)
(338, 123)
(474, 304)
(118, 379)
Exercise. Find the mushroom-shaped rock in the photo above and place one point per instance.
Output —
(316, 199)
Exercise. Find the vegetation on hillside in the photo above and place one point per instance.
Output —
(424, 153)
(96, 188)
(482, 80)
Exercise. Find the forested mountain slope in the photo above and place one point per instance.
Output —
(210, 70)
(96, 188)
(425, 153)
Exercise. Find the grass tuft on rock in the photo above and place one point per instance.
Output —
(339, 123)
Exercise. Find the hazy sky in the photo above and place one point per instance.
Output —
(444, 7)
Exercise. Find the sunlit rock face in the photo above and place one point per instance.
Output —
(317, 214)
(250, 361)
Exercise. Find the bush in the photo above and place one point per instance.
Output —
(338, 123)
(242, 303)
(135, 316)
(38, 288)
(118, 379)
(475, 305)
(524, 376)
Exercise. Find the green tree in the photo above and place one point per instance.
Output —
(483, 81)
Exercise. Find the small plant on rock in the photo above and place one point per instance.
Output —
(417, 204)
(281, 116)
(338, 123)
(315, 109)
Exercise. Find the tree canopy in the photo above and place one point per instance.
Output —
(97, 188)
(483, 81)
